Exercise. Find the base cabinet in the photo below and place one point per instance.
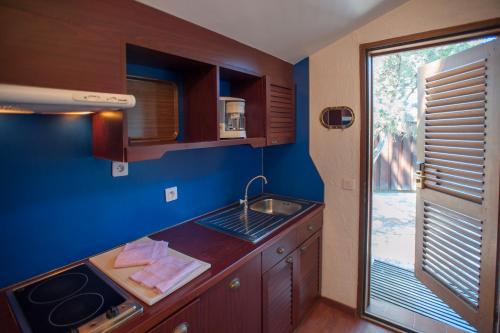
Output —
(234, 304)
(271, 293)
(308, 276)
(290, 288)
(277, 297)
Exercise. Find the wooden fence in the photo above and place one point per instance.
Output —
(394, 169)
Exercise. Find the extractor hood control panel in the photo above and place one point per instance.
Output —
(101, 98)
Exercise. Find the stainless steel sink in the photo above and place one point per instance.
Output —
(263, 216)
(276, 207)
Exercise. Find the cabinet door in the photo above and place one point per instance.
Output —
(278, 296)
(234, 305)
(187, 320)
(41, 51)
(280, 120)
(308, 276)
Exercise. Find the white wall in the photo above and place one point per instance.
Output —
(334, 81)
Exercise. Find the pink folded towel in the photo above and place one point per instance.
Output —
(141, 253)
(165, 273)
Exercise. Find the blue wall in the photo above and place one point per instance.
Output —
(289, 168)
(59, 204)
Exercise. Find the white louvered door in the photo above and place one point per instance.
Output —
(458, 143)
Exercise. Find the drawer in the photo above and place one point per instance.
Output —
(186, 320)
(310, 227)
(279, 250)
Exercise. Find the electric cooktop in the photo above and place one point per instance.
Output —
(80, 299)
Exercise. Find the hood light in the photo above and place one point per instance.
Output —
(77, 113)
(7, 109)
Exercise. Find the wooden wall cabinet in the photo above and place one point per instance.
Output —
(43, 50)
(200, 129)
(86, 45)
(280, 109)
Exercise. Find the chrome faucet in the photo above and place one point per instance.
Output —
(245, 201)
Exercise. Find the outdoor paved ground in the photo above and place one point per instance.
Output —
(393, 228)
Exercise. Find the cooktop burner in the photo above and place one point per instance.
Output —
(80, 299)
(76, 309)
(57, 288)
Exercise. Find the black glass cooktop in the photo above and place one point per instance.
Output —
(65, 301)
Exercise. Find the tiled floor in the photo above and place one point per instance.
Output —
(407, 300)
(325, 319)
(408, 318)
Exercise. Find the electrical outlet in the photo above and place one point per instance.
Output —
(171, 194)
(349, 184)
(119, 169)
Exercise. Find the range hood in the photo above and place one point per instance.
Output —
(26, 99)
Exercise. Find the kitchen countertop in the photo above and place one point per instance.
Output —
(225, 253)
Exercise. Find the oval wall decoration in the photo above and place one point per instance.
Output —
(337, 117)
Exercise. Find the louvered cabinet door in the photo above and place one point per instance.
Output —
(458, 144)
(308, 275)
(278, 296)
(280, 122)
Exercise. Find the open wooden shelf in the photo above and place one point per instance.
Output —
(196, 80)
(199, 87)
(141, 152)
(252, 89)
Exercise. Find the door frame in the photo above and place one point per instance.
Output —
(366, 52)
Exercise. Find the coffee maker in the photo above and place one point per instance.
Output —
(232, 118)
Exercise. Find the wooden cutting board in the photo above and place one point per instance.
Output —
(105, 262)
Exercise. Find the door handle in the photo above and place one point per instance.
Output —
(182, 328)
(235, 283)
(420, 180)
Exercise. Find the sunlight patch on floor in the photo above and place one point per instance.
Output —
(393, 228)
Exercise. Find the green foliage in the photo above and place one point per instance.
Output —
(395, 87)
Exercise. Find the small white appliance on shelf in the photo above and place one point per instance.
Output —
(232, 118)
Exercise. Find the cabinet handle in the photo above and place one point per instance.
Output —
(303, 249)
(280, 250)
(235, 283)
(181, 328)
(289, 260)
(310, 227)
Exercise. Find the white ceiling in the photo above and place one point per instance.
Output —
(288, 29)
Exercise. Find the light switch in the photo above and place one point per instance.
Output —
(349, 184)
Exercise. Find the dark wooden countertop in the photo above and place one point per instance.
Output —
(225, 253)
